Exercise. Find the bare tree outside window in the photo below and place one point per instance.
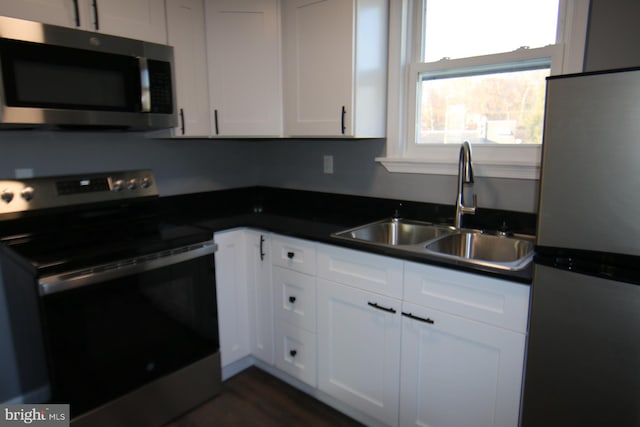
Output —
(502, 108)
(492, 104)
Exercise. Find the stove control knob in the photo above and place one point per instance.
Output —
(27, 193)
(132, 184)
(146, 182)
(118, 185)
(7, 195)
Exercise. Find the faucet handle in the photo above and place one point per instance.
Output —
(470, 210)
(396, 213)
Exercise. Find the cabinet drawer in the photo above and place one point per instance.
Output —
(296, 352)
(373, 273)
(494, 301)
(294, 254)
(295, 298)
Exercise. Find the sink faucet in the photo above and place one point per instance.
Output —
(465, 176)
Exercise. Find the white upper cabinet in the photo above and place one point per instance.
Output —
(335, 67)
(138, 19)
(186, 33)
(243, 49)
(55, 12)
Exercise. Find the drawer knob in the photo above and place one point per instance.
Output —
(293, 353)
(290, 255)
(292, 299)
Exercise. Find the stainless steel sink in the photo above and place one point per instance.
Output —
(396, 232)
(466, 246)
(486, 249)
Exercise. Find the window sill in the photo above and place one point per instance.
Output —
(513, 161)
(484, 168)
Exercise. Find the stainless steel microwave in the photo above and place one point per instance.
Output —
(59, 76)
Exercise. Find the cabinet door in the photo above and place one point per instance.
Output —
(260, 295)
(186, 33)
(136, 19)
(243, 42)
(458, 372)
(55, 12)
(232, 296)
(359, 349)
(318, 66)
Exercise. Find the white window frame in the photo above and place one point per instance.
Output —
(500, 161)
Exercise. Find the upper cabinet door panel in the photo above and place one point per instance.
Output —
(243, 42)
(186, 33)
(335, 67)
(55, 12)
(318, 66)
(136, 19)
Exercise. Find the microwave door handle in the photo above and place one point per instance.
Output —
(145, 85)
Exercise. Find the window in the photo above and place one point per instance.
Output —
(475, 70)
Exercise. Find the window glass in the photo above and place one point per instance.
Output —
(498, 108)
(464, 28)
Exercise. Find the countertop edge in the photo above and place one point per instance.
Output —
(318, 231)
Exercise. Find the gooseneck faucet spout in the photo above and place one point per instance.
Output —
(465, 176)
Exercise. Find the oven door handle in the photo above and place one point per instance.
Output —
(101, 273)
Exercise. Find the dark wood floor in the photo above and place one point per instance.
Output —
(255, 398)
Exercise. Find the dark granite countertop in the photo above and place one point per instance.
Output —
(315, 216)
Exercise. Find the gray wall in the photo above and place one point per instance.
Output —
(180, 165)
(186, 166)
(298, 164)
(614, 32)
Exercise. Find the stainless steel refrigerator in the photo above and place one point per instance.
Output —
(583, 352)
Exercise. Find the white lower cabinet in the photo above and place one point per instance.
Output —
(458, 372)
(232, 295)
(396, 342)
(359, 330)
(260, 295)
(460, 369)
(359, 349)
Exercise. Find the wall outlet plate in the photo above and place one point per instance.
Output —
(328, 164)
(22, 173)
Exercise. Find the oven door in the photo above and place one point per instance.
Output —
(114, 328)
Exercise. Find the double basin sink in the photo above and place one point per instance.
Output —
(469, 246)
